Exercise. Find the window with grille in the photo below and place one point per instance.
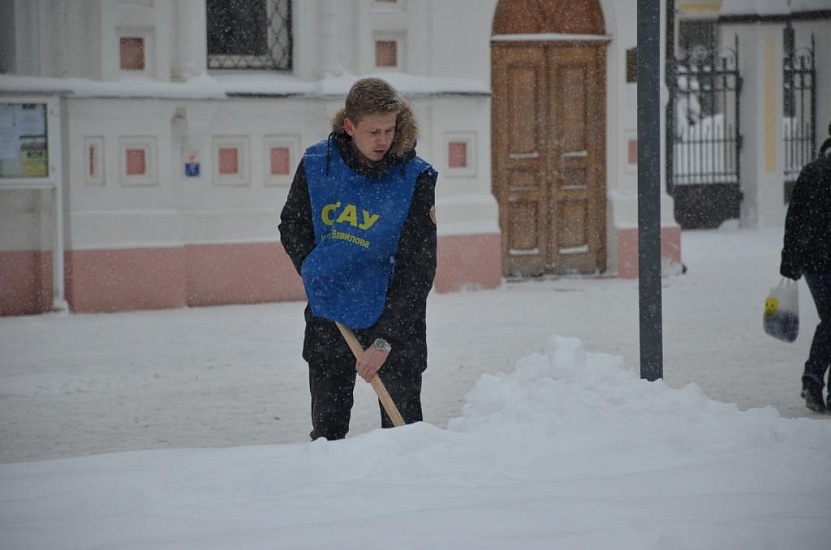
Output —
(249, 34)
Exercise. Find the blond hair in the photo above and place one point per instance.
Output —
(371, 96)
(376, 96)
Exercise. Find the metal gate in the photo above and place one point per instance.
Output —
(799, 120)
(704, 145)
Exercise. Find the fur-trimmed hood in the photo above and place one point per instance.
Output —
(406, 130)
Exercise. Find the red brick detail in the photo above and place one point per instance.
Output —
(386, 53)
(228, 161)
(280, 161)
(131, 52)
(136, 162)
(633, 151)
(457, 154)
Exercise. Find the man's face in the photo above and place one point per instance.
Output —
(373, 135)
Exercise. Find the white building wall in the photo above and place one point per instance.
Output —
(115, 210)
(177, 113)
(762, 171)
(189, 44)
(181, 112)
(460, 43)
(325, 41)
(821, 31)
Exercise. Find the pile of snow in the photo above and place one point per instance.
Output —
(571, 450)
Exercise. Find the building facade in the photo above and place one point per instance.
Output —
(150, 144)
(750, 103)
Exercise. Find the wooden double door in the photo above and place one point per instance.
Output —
(548, 155)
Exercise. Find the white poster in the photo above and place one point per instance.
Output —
(30, 119)
(23, 141)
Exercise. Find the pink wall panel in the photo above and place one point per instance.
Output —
(240, 274)
(469, 261)
(628, 250)
(125, 279)
(25, 282)
(203, 275)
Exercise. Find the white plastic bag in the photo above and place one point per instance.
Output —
(781, 316)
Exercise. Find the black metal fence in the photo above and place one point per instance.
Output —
(799, 121)
(704, 148)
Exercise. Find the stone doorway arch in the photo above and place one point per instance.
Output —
(548, 125)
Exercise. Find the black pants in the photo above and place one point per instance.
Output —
(820, 356)
(332, 384)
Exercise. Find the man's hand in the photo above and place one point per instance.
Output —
(370, 362)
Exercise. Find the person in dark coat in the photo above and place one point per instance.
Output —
(359, 226)
(807, 251)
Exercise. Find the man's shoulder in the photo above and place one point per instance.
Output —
(315, 156)
(816, 166)
(317, 148)
(819, 170)
(419, 162)
(424, 169)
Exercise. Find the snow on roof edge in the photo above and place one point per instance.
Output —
(754, 7)
(223, 85)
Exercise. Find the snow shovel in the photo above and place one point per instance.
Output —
(377, 385)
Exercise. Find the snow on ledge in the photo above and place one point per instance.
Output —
(754, 7)
(338, 85)
(223, 85)
(201, 87)
(800, 6)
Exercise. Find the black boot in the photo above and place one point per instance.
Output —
(812, 394)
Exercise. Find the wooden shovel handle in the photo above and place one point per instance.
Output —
(377, 385)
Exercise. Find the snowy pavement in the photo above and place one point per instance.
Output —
(187, 429)
(224, 376)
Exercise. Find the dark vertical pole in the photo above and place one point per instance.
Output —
(649, 188)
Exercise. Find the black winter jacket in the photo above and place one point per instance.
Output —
(807, 241)
(403, 321)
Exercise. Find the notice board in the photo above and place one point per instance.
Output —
(30, 159)
(24, 143)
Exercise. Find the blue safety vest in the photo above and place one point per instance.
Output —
(357, 223)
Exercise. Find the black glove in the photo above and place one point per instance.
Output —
(789, 271)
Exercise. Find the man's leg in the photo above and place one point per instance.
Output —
(332, 386)
(404, 386)
(819, 357)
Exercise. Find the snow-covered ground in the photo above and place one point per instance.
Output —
(188, 428)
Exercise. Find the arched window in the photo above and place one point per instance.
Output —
(548, 17)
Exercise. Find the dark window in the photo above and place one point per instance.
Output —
(249, 34)
(698, 44)
(697, 38)
(632, 65)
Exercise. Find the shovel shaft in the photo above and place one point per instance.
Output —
(377, 385)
